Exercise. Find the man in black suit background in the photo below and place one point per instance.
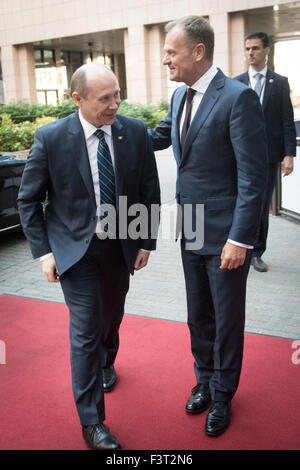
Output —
(85, 163)
(274, 93)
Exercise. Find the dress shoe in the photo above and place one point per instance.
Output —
(109, 378)
(199, 399)
(98, 437)
(218, 418)
(259, 265)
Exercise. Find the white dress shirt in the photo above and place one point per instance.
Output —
(252, 80)
(200, 86)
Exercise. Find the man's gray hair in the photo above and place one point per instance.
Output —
(197, 30)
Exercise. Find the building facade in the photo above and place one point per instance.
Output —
(43, 41)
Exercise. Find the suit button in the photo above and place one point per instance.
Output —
(93, 218)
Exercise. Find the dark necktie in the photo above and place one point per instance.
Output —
(187, 119)
(105, 171)
(107, 186)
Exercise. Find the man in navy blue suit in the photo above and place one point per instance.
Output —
(216, 127)
(274, 93)
(84, 164)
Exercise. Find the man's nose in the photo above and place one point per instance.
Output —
(166, 59)
(114, 104)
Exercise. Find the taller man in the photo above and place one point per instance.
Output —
(216, 127)
(274, 93)
(83, 163)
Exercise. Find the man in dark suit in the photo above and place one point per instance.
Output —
(274, 93)
(92, 165)
(222, 164)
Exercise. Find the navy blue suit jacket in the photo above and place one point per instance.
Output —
(278, 114)
(223, 163)
(58, 165)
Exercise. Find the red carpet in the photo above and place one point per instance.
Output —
(146, 410)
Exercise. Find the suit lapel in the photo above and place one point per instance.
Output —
(76, 145)
(208, 101)
(177, 112)
(121, 157)
(268, 88)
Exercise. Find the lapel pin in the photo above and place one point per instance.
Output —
(271, 80)
(120, 137)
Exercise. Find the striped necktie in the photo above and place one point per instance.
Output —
(105, 171)
(107, 186)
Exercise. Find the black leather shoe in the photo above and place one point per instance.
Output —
(98, 437)
(199, 399)
(109, 378)
(218, 418)
(259, 265)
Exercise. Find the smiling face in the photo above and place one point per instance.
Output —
(256, 53)
(101, 100)
(181, 57)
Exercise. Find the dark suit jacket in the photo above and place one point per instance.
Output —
(58, 165)
(223, 163)
(279, 115)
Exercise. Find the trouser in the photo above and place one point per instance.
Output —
(262, 233)
(95, 289)
(216, 320)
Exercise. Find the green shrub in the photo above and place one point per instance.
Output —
(163, 105)
(17, 136)
(14, 137)
(24, 111)
(150, 114)
(42, 121)
(20, 111)
(19, 121)
(62, 110)
(139, 111)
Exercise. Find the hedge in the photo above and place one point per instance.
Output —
(14, 137)
(19, 121)
(24, 111)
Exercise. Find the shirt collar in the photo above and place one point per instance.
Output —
(203, 83)
(89, 129)
(253, 72)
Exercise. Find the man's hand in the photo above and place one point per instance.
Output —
(287, 165)
(232, 256)
(49, 269)
(141, 260)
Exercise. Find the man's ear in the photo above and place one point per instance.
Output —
(199, 51)
(76, 97)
